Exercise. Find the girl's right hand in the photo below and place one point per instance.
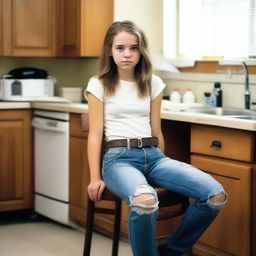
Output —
(95, 190)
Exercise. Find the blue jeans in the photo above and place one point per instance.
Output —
(132, 172)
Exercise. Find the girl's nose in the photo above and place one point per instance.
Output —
(127, 53)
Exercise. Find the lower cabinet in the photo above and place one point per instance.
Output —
(229, 156)
(79, 169)
(230, 233)
(16, 176)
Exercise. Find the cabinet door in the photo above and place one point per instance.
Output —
(78, 169)
(229, 234)
(79, 178)
(71, 27)
(30, 27)
(84, 24)
(15, 160)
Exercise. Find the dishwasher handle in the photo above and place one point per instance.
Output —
(50, 125)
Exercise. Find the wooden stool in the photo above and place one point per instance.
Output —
(166, 198)
(91, 210)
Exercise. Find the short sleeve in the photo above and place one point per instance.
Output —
(157, 86)
(96, 88)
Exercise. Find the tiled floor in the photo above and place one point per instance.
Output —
(22, 236)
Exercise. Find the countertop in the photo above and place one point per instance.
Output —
(168, 115)
(15, 105)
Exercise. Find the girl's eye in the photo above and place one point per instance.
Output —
(119, 48)
(135, 48)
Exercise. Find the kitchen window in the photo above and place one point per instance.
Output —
(210, 29)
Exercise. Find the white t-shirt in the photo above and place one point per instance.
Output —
(125, 114)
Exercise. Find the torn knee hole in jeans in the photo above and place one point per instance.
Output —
(218, 201)
(144, 200)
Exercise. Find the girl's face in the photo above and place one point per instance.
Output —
(125, 51)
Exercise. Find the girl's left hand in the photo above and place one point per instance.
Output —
(95, 190)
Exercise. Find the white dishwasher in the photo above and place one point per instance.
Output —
(51, 145)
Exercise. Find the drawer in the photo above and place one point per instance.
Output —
(223, 142)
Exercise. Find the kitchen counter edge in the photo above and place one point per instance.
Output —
(168, 115)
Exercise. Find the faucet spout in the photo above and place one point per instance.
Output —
(247, 95)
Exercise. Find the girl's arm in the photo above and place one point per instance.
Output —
(97, 185)
(155, 119)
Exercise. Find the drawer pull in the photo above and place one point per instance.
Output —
(216, 143)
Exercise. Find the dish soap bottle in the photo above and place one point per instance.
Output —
(216, 96)
(207, 99)
(188, 96)
(175, 96)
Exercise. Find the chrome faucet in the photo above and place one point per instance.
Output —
(247, 95)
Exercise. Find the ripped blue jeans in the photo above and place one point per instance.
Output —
(132, 172)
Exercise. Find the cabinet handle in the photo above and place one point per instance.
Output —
(216, 143)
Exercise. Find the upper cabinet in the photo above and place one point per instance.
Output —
(85, 23)
(30, 27)
(48, 28)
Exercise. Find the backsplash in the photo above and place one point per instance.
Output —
(75, 72)
(233, 87)
(69, 72)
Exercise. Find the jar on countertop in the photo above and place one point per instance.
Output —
(188, 96)
(175, 96)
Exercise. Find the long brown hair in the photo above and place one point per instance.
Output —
(108, 70)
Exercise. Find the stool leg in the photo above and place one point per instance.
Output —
(89, 227)
(189, 253)
(116, 234)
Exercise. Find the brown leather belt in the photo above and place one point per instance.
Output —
(133, 143)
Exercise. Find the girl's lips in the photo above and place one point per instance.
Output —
(126, 62)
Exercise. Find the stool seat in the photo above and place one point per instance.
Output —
(108, 195)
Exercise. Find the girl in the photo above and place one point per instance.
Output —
(124, 105)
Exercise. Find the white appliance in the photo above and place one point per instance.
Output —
(26, 89)
(51, 138)
(26, 84)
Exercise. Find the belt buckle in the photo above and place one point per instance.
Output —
(128, 143)
(139, 142)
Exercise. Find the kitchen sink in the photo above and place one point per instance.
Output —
(228, 112)
(245, 117)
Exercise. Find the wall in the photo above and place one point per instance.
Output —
(148, 14)
(69, 72)
(232, 86)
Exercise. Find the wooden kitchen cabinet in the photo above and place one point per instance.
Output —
(16, 172)
(48, 28)
(30, 27)
(233, 231)
(85, 23)
(78, 169)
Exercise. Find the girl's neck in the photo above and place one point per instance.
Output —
(126, 76)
